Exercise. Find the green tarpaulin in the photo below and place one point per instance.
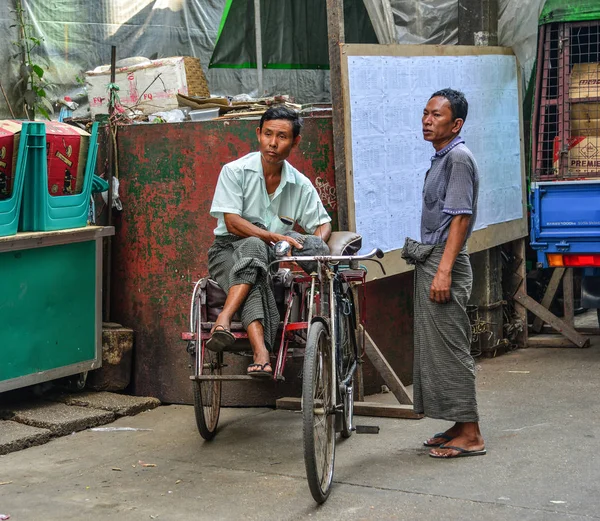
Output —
(570, 11)
(294, 33)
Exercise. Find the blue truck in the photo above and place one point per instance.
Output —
(564, 196)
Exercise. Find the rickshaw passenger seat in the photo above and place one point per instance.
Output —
(215, 296)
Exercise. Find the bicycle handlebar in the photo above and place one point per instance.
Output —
(333, 258)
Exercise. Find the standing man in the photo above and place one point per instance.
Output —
(258, 199)
(444, 370)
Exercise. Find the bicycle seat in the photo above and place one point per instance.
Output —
(344, 243)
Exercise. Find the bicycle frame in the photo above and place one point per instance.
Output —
(326, 276)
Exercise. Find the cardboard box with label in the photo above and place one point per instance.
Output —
(10, 132)
(585, 81)
(66, 150)
(583, 155)
(149, 87)
(585, 119)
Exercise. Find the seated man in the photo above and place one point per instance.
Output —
(258, 199)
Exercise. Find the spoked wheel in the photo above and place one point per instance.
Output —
(207, 393)
(207, 396)
(347, 361)
(318, 412)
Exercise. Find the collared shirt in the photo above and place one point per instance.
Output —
(242, 190)
(451, 188)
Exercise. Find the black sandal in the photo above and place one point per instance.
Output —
(220, 339)
(261, 372)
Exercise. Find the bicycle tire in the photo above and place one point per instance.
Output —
(318, 413)
(207, 397)
(347, 359)
(207, 394)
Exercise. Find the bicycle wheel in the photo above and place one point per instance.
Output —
(207, 396)
(318, 413)
(207, 393)
(347, 360)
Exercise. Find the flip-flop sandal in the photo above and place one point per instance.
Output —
(442, 435)
(462, 453)
(261, 371)
(220, 339)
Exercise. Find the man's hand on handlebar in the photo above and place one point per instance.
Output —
(276, 237)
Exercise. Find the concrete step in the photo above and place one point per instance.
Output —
(16, 436)
(119, 404)
(58, 418)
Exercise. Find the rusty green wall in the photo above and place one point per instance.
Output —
(168, 173)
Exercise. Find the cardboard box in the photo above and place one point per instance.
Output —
(585, 81)
(66, 150)
(585, 119)
(150, 87)
(10, 132)
(583, 155)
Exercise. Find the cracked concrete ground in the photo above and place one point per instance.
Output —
(540, 416)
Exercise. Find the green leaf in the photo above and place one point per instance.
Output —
(47, 103)
(38, 70)
(44, 112)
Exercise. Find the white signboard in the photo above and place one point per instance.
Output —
(390, 157)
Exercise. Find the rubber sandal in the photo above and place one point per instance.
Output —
(220, 339)
(442, 435)
(462, 453)
(261, 372)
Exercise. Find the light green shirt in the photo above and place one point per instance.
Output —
(242, 190)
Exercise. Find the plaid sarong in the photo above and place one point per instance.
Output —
(234, 260)
(444, 370)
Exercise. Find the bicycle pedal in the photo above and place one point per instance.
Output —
(367, 429)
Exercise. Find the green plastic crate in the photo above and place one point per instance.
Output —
(10, 208)
(41, 211)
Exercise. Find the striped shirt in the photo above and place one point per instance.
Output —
(451, 188)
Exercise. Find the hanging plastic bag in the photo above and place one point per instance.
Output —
(116, 201)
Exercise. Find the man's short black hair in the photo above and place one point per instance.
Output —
(282, 112)
(457, 100)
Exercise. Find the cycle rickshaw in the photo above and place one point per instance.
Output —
(319, 315)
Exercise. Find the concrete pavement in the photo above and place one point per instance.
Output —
(540, 416)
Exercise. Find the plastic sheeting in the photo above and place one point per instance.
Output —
(426, 21)
(78, 35)
(293, 34)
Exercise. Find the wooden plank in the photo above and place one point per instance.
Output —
(520, 268)
(379, 410)
(423, 50)
(559, 325)
(29, 240)
(568, 297)
(589, 331)
(385, 370)
(557, 275)
(549, 340)
(336, 37)
(359, 381)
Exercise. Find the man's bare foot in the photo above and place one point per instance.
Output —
(443, 437)
(221, 323)
(261, 365)
(262, 357)
(460, 446)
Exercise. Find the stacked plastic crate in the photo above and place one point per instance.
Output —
(46, 172)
